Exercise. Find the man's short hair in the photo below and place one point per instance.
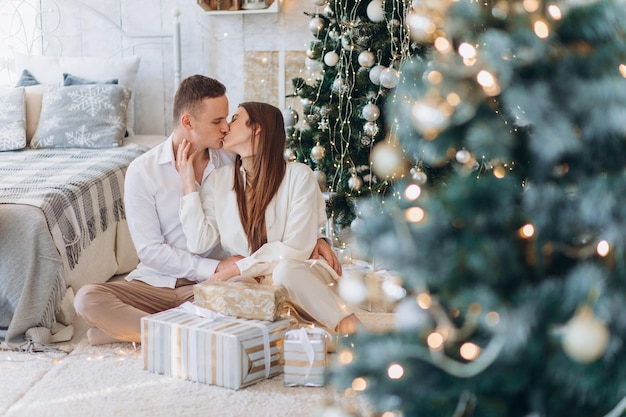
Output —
(192, 91)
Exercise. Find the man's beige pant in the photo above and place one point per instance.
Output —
(116, 308)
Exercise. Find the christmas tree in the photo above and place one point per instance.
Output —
(357, 51)
(513, 263)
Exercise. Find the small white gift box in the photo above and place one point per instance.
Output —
(305, 357)
(217, 350)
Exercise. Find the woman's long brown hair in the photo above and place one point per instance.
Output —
(269, 170)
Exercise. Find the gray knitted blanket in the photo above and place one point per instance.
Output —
(78, 190)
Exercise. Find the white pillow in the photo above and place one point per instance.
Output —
(12, 119)
(50, 69)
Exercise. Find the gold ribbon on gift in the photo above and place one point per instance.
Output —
(191, 308)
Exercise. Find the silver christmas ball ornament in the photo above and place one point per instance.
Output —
(585, 338)
(375, 11)
(290, 116)
(419, 176)
(375, 74)
(370, 112)
(389, 77)
(318, 152)
(316, 25)
(289, 155)
(321, 179)
(366, 59)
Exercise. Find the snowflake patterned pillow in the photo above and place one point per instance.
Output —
(12, 119)
(82, 116)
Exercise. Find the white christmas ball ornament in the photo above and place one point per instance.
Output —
(366, 59)
(387, 160)
(352, 288)
(370, 112)
(316, 25)
(290, 116)
(585, 338)
(463, 156)
(375, 11)
(389, 77)
(375, 74)
(331, 58)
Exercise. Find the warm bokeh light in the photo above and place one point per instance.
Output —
(453, 99)
(442, 45)
(466, 50)
(469, 351)
(531, 6)
(555, 12)
(424, 300)
(435, 341)
(492, 318)
(499, 172)
(622, 70)
(435, 77)
(412, 192)
(345, 357)
(395, 371)
(527, 231)
(603, 248)
(414, 214)
(541, 29)
(359, 384)
(485, 78)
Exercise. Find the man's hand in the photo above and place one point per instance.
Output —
(323, 249)
(226, 263)
(226, 273)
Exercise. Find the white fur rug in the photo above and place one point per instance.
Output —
(109, 380)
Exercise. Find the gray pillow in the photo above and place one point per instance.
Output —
(82, 116)
(71, 79)
(27, 79)
(12, 119)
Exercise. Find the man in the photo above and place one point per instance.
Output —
(167, 271)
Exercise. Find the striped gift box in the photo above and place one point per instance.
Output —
(224, 351)
(305, 357)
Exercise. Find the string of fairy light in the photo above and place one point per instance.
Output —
(344, 22)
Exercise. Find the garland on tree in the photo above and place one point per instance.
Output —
(358, 49)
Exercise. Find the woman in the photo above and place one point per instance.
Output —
(265, 210)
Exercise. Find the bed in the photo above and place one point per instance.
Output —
(67, 135)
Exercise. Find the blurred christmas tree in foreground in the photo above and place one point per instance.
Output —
(358, 48)
(514, 265)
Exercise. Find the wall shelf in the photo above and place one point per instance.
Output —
(274, 7)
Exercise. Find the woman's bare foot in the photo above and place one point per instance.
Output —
(349, 324)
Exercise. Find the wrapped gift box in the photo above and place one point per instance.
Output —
(239, 299)
(374, 279)
(224, 351)
(305, 357)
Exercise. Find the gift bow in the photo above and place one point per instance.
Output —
(302, 335)
(191, 308)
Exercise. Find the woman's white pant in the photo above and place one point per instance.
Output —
(312, 287)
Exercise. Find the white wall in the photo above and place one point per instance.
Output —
(212, 45)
